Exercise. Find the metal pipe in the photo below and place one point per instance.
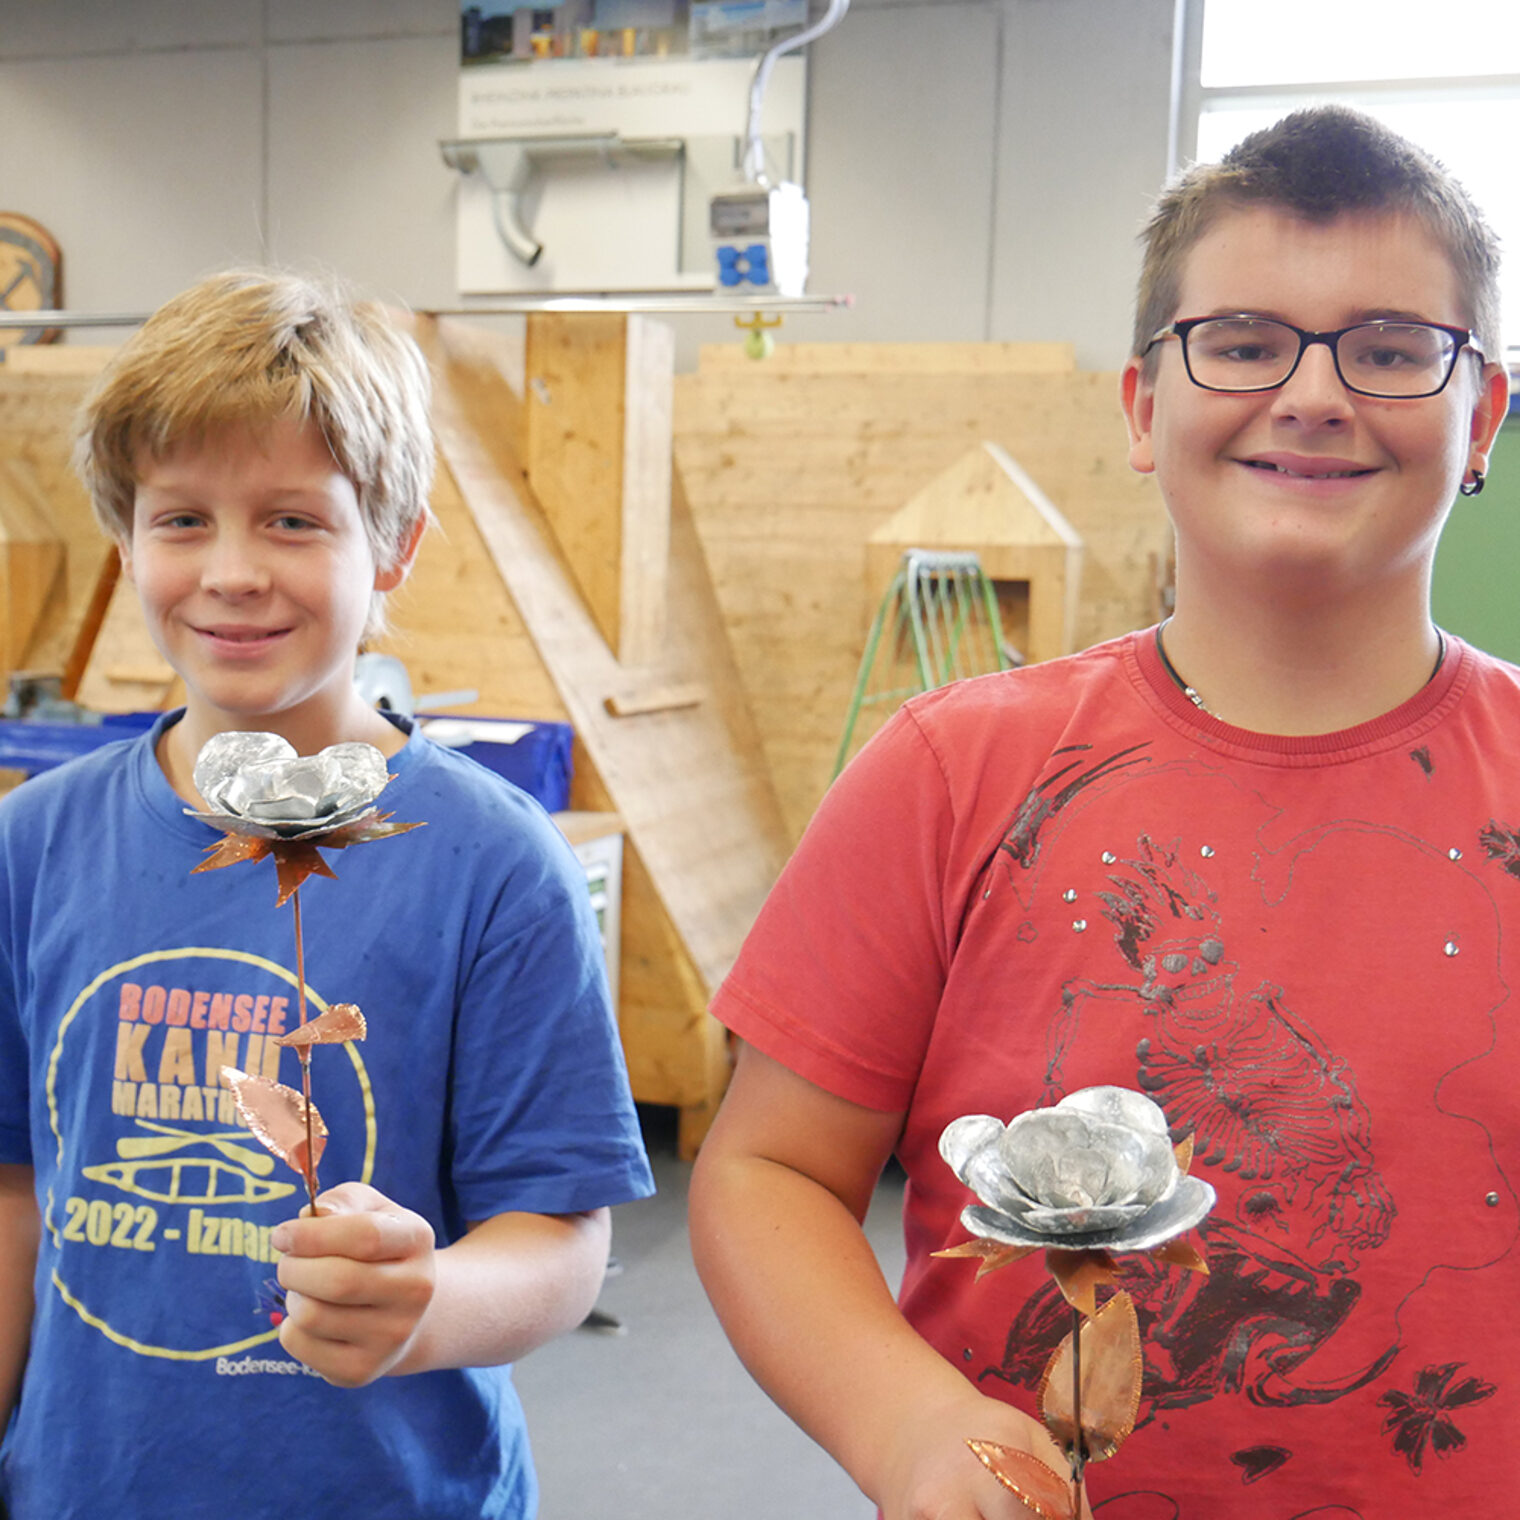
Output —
(654, 303)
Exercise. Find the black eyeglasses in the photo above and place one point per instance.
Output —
(1390, 360)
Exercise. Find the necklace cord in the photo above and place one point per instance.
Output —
(1191, 694)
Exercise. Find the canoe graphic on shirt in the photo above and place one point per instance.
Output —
(239, 1174)
(188, 1179)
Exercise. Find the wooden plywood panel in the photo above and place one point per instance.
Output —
(705, 834)
(31, 559)
(598, 458)
(125, 672)
(648, 407)
(677, 1053)
(455, 627)
(689, 781)
(36, 430)
(74, 359)
(789, 474)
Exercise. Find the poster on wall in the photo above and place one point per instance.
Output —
(509, 32)
(595, 133)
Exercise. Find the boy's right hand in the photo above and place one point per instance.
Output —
(780, 1188)
(358, 1276)
(931, 1473)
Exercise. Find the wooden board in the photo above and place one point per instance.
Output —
(455, 627)
(788, 474)
(37, 413)
(76, 359)
(598, 460)
(31, 558)
(125, 672)
(706, 834)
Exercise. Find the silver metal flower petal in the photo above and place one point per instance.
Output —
(1181, 1211)
(1118, 1105)
(224, 756)
(255, 829)
(1065, 1158)
(256, 784)
(1080, 1220)
(970, 1145)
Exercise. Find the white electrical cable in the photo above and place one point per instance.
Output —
(754, 154)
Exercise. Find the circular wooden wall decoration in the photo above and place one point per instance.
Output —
(30, 268)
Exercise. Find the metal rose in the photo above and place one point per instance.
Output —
(1095, 1172)
(256, 784)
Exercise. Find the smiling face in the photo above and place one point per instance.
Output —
(1310, 489)
(254, 572)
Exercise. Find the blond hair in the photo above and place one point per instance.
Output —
(249, 347)
(1320, 163)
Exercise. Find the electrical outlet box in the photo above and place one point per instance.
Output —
(760, 239)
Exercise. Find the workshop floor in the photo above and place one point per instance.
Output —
(660, 1421)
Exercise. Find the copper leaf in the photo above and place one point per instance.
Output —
(341, 1022)
(1112, 1368)
(992, 1253)
(231, 850)
(1036, 1485)
(277, 1117)
(1079, 1274)
(297, 859)
(374, 827)
(1178, 1253)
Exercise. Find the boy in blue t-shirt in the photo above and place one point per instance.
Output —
(174, 1339)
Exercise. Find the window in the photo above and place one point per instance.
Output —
(1447, 77)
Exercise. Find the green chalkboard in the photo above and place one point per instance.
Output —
(1476, 588)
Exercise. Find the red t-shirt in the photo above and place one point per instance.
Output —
(1303, 949)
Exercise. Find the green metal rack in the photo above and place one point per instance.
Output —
(937, 623)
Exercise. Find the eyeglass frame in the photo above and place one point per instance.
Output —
(1464, 337)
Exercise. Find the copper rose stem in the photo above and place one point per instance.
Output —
(303, 1053)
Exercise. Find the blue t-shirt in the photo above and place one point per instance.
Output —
(491, 1081)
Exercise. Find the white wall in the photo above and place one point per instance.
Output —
(977, 168)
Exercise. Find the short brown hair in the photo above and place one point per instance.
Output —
(250, 347)
(1320, 163)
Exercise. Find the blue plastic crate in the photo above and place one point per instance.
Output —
(32, 747)
(534, 756)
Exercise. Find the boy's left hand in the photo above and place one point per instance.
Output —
(358, 1279)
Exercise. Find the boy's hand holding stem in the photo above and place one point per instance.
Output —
(358, 1278)
(368, 1294)
(929, 1474)
(778, 1195)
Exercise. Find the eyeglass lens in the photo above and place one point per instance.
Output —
(1379, 358)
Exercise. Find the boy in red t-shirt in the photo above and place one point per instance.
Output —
(1314, 379)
